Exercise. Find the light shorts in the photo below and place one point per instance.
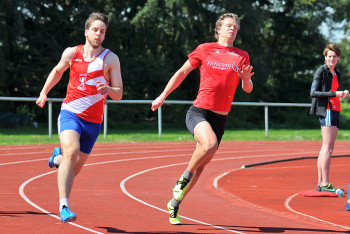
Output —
(331, 119)
(88, 131)
(217, 122)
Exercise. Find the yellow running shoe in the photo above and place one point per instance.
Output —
(174, 214)
(180, 188)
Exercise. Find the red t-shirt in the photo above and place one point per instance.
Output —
(335, 102)
(219, 79)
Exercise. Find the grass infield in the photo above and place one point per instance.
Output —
(31, 135)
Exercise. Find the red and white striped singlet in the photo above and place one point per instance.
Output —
(82, 97)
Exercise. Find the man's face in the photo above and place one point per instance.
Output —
(228, 29)
(95, 34)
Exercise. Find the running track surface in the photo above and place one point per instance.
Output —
(124, 188)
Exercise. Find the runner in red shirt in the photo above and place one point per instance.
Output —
(222, 67)
(94, 74)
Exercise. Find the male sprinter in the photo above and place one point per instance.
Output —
(94, 74)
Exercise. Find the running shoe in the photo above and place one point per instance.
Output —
(180, 188)
(328, 188)
(174, 214)
(66, 215)
(347, 207)
(56, 152)
(318, 188)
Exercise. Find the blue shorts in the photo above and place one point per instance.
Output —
(88, 131)
(331, 119)
(217, 122)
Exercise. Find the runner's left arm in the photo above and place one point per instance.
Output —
(245, 74)
(115, 90)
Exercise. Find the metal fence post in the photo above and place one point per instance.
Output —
(50, 119)
(160, 121)
(267, 120)
(105, 120)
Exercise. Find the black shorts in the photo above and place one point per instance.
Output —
(217, 122)
(331, 119)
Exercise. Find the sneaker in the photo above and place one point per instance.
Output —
(174, 214)
(318, 188)
(180, 188)
(56, 152)
(328, 188)
(347, 207)
(66, 215)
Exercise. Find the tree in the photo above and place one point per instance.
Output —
(153, 38)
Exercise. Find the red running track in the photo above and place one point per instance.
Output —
(124, 188)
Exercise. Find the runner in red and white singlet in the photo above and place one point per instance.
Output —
(94, 74)
(82, 98)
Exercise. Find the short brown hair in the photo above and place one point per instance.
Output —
(96, 16)
(218, 23)
(332, 47)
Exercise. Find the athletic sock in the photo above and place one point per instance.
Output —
(63, 202)
(175, 203)
(55, 160)
(187, 174)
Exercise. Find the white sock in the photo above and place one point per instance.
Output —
(63, 202)
(55, 160)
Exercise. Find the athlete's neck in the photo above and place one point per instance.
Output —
(225, 42)
(90, 53)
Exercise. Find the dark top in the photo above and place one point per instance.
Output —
(321, 90)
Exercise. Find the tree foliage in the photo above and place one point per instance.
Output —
(153, 38)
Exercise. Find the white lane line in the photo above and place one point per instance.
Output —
(25, 161)
(21, 189)
(21, 192)
(173, 155)
(122, 186)
(286, 203)
(289, 199)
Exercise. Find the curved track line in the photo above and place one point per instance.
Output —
(122, 186)
(17, 162)
(286, 203)
(21, 192)
(163, 156)
(289, 199)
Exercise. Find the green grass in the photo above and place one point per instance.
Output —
(30, 135)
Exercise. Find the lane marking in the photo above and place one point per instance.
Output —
(286, 203)
(290, 198)
(21, 192)
(122, 186)
(172, 155)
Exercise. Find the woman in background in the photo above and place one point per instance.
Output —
(326, 104)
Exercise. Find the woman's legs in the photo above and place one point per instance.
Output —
(329, 135)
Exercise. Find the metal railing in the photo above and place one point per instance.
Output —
(105, 120)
